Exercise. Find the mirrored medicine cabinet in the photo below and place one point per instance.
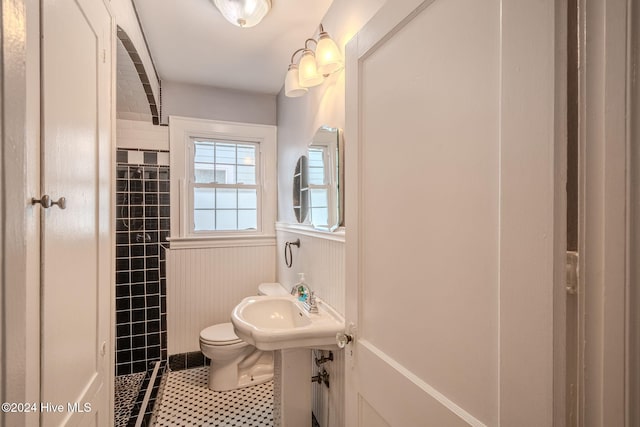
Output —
(318, 181)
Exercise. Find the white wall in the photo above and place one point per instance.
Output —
(206, 102)
(321, 260)
(141, 135)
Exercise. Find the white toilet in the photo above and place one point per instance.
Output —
(235, 363)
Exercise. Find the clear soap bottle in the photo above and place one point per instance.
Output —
(301, 290)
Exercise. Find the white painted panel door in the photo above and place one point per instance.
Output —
(430, 208)
(76, 126)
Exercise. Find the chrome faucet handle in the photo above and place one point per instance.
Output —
(311, 304)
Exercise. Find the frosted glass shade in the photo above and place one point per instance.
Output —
(309, 75)
(328, 56)
(292, 88)
(243, 13)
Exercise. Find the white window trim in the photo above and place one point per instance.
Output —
(181, 132)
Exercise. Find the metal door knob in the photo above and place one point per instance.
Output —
(46, 202)
(61, 203)
(343, 339)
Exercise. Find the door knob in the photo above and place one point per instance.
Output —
(61, 203)
(343, 339)
(46, 202)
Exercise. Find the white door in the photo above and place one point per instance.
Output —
(76, 125)
(452, 204)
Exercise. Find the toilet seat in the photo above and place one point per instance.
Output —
(221, 334)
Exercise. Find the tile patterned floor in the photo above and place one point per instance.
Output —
(187, 401)
(126, 392)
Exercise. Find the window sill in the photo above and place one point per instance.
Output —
(228, 241)
(308, 230)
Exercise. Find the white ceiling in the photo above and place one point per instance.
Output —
(191, 42)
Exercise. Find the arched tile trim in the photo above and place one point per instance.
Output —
(142, 73)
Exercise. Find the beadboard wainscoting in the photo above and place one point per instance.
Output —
(321, 258)
(205, 284)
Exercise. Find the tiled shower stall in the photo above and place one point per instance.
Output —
(142, 226)
(142, 215)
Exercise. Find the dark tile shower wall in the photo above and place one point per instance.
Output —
(142, 215)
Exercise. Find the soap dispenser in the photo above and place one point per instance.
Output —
(300, 289)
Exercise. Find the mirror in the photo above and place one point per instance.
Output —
(326, 179)
(318, 181)
(301, 189)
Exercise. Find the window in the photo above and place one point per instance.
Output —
(223, 183)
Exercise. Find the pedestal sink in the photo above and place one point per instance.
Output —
(281, 323)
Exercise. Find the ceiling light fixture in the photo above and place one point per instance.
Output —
(314, 66)
(243, 13)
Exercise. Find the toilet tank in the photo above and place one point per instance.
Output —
(271, 289)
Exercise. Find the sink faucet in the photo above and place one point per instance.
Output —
(310, 302)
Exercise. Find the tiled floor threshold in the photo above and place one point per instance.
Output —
(127, 388)
(183, 399)
(136, 395)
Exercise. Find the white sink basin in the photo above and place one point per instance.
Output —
(278, 322)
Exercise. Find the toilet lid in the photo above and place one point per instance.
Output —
(221, 333)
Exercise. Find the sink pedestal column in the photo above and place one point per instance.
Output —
(292, 387)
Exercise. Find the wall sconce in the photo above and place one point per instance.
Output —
(243, 13)
(314, 66)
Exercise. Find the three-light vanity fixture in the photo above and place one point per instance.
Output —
(314, 66)
(243, 13)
